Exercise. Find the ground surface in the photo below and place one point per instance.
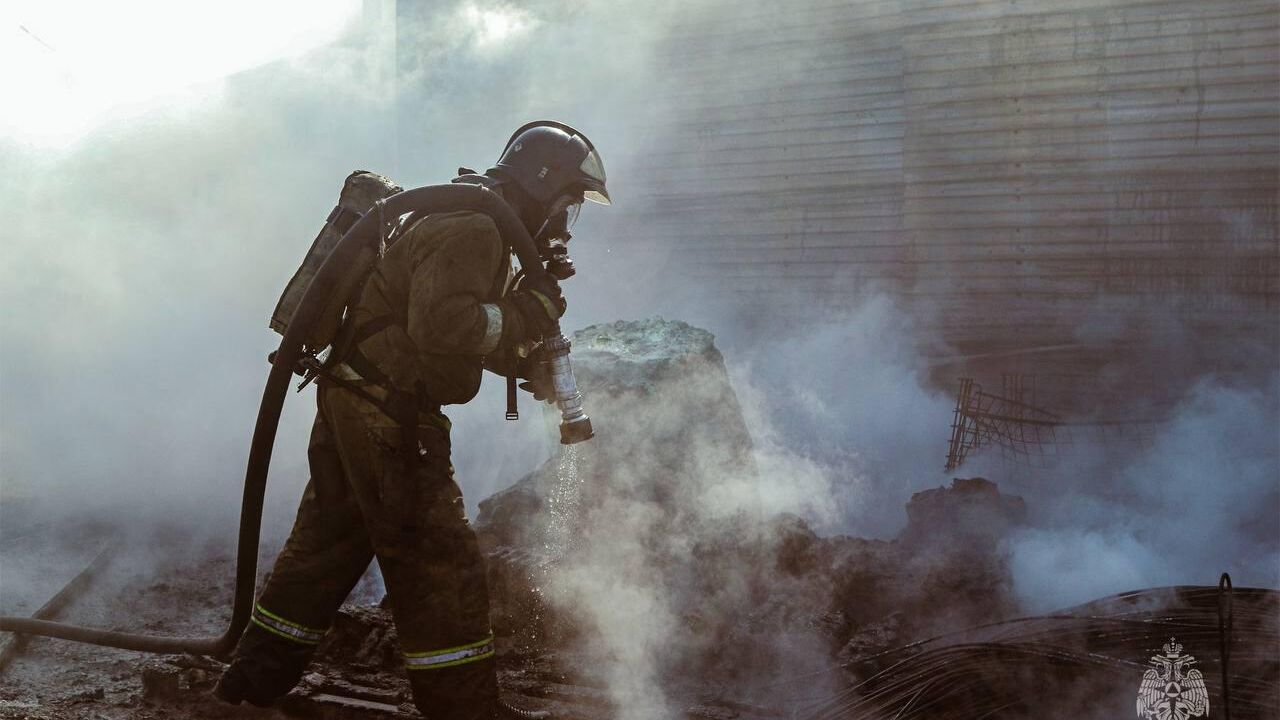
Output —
(53, 679)
(860, 597)
(879, 596)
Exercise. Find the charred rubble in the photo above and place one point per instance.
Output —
(646, 567)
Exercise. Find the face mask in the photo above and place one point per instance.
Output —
(561, 216)
(553, 238)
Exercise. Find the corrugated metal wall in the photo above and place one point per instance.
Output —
(1005, 167)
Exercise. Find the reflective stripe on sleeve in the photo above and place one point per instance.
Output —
(450, 657)
(286, 629)
(492, 328)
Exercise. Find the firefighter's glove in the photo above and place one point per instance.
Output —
(540, 305)
(546, 284)
(548, 287)
(539, 382)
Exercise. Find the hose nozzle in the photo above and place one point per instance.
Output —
(575, 426)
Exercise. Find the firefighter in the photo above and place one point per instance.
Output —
(434, 307)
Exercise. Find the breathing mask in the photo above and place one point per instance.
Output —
(553, 239)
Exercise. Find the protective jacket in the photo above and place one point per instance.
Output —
(381, 482)
(434, 306)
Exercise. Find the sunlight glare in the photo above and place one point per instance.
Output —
(66, 66)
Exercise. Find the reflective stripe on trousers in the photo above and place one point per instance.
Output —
(450, 657)
(286, 629)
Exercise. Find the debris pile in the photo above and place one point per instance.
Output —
(860, 597)
(643, 575)
(1169, 648)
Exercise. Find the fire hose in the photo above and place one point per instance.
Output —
(358, 248)
(59, 601)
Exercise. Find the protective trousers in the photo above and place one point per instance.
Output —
(369, 498)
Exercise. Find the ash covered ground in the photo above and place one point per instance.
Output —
(658, 571)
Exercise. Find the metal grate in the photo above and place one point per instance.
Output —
(1023, 432)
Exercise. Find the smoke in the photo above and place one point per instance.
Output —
(669, 577)
(142, 261)
(850, 389)
(1203, 497)
(141, 264)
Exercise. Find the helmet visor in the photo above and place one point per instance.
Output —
(570, 205)
(592, 169)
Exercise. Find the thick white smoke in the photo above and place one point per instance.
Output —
(141, 263)
(1201, 498)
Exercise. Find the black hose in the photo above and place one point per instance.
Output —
(59, 602)
(1225, 620)
(356, 250)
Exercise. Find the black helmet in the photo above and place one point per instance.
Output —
(546, 158)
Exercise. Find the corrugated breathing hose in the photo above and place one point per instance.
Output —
(357, 249)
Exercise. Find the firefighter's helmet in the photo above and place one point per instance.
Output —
(548, 158)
